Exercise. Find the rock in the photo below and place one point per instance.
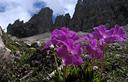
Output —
(1, 41)
(4, 52)
(16, 28)
(39, 23)
(43, 20)
(126, 28)
(62, 20)
(1, 31)
(20, 29)
(88, 14)
(36, 44)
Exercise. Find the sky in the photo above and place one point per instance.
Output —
(11, 10)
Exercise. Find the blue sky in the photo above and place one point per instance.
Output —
(10, 10)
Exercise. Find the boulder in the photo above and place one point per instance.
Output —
(4, 52)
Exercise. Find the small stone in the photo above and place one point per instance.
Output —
(95, 67)
(52, 46)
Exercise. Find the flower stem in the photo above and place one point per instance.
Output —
(56, 63)
(65, 73)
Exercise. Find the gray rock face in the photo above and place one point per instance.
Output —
(15, 28)
(21, 29)
(90, 13)
(39, 23)
(43, 20)
(62, 20)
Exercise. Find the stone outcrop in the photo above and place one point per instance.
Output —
(43, 20)
(39, 23)
(88, 14)
(62, 20)
(4, 52)
(1, 42)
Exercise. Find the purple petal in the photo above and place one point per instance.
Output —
(62, 52)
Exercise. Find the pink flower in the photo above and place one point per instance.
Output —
(97, 40)
(67, 46)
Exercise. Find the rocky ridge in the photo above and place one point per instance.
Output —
(88, 14)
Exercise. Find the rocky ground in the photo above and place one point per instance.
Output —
(30, 63)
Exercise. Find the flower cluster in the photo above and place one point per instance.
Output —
(100, 37)
(67, 46)
(69, 49)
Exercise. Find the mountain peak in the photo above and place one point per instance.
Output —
(88, 14)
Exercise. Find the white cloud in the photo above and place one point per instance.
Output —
(61, 6)
(22, 9)
(15, 9)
